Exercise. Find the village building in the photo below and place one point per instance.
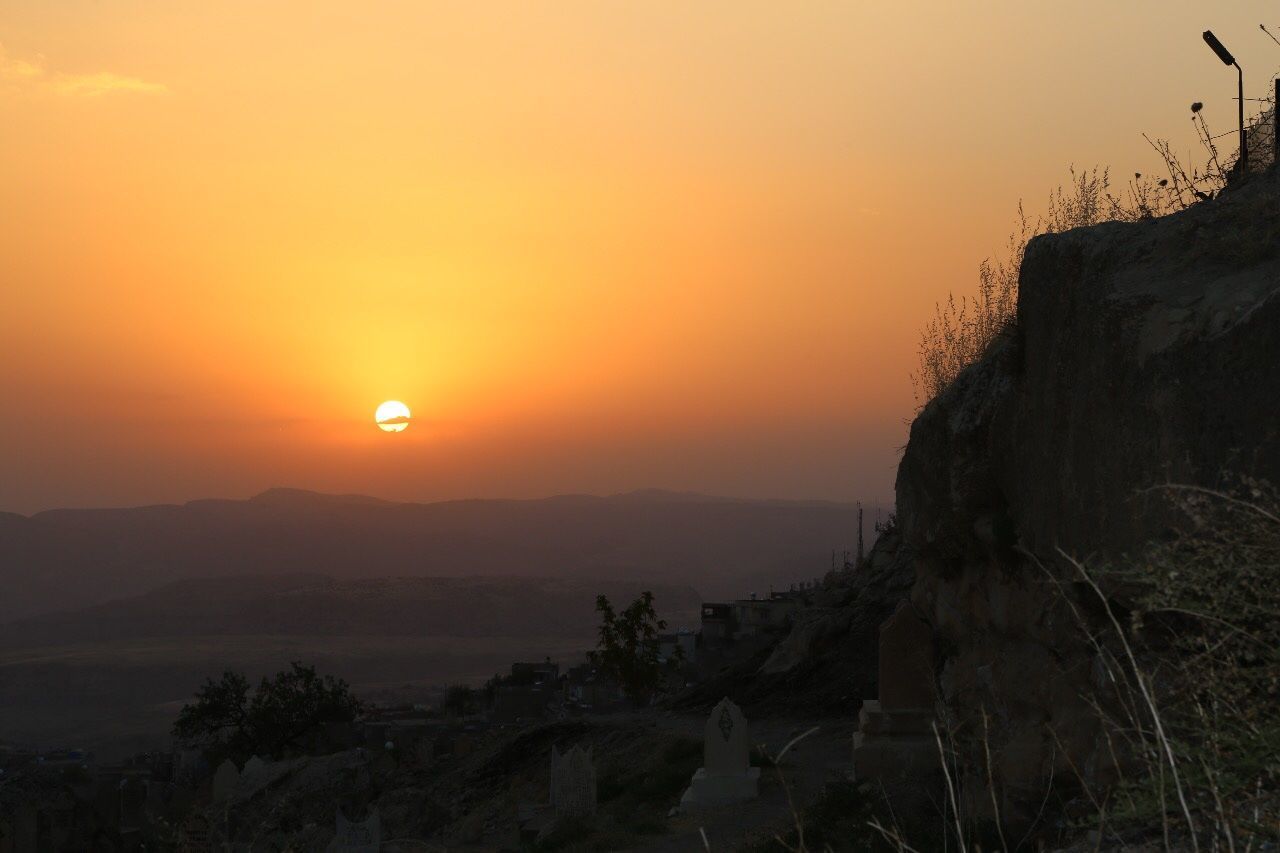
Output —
(586, 688)
(749, 617)
(717, 622)
(684, 640)
(515, 703)
(753, 617)
(534, 673)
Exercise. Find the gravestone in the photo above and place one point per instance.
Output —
(357, 836)
(726, 775)
(195, 835)
(225, 779)
(895, 732)
(573, 783)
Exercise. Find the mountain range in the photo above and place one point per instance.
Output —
(69, 559)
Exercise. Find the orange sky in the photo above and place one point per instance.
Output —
(595, 246)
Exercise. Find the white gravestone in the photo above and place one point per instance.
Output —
(726, 775)
(225, 779)
(573, 783)
(358, 837)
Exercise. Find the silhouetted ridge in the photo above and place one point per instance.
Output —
(67, 559)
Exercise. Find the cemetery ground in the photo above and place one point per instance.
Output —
(643, 760)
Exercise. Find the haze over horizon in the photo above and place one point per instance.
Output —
(595, 247)
(291, 492)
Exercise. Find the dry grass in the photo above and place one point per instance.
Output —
(1187, 643)
(1203, 657)
(962, 329)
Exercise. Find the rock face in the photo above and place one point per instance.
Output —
(1144, 353)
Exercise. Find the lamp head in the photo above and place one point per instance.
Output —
(1218, 48)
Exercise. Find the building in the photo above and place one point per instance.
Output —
(589, 689)
(749, 617)
(545, 672)
(684, 640)
(516, 703)
(717, 622)
(755, 616)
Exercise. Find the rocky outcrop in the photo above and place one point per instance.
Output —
(1144, 353)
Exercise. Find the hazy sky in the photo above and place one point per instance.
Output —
(595, 246)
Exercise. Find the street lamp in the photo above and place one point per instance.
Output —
(1227, 59)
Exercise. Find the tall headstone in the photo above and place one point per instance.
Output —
(895, 732)
(573, 783)
(225, 779)
(726, 775)
(357, 836)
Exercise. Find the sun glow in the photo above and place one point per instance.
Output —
(392, 416)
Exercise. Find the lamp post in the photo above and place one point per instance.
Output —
(1227, 59)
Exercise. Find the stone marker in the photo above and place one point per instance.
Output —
(195, 835)
(225, 779)
(895, 732)
(252, 767)
(362, 837)
(726, 775)
(573, 783)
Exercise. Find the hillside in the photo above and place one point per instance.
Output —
(1143, 354)
(67, 559)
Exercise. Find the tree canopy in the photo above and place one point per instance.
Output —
(226, 720)
(628, 648)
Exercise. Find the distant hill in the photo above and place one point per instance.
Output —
(315, 605)
(73, 558)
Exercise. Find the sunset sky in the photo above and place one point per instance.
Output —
(595, 246)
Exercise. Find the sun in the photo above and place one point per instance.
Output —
(392, 416)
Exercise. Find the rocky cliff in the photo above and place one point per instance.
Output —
(1143, 353)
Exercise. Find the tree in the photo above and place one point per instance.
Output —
(628, 647)
(460, 700)
(227, 722)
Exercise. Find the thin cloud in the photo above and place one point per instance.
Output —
(31, 75)
(12, 68)
(102, 83)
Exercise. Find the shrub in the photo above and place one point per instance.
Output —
(1200, 692)
(1187, 647)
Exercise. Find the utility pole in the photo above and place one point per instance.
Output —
(860, 551)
